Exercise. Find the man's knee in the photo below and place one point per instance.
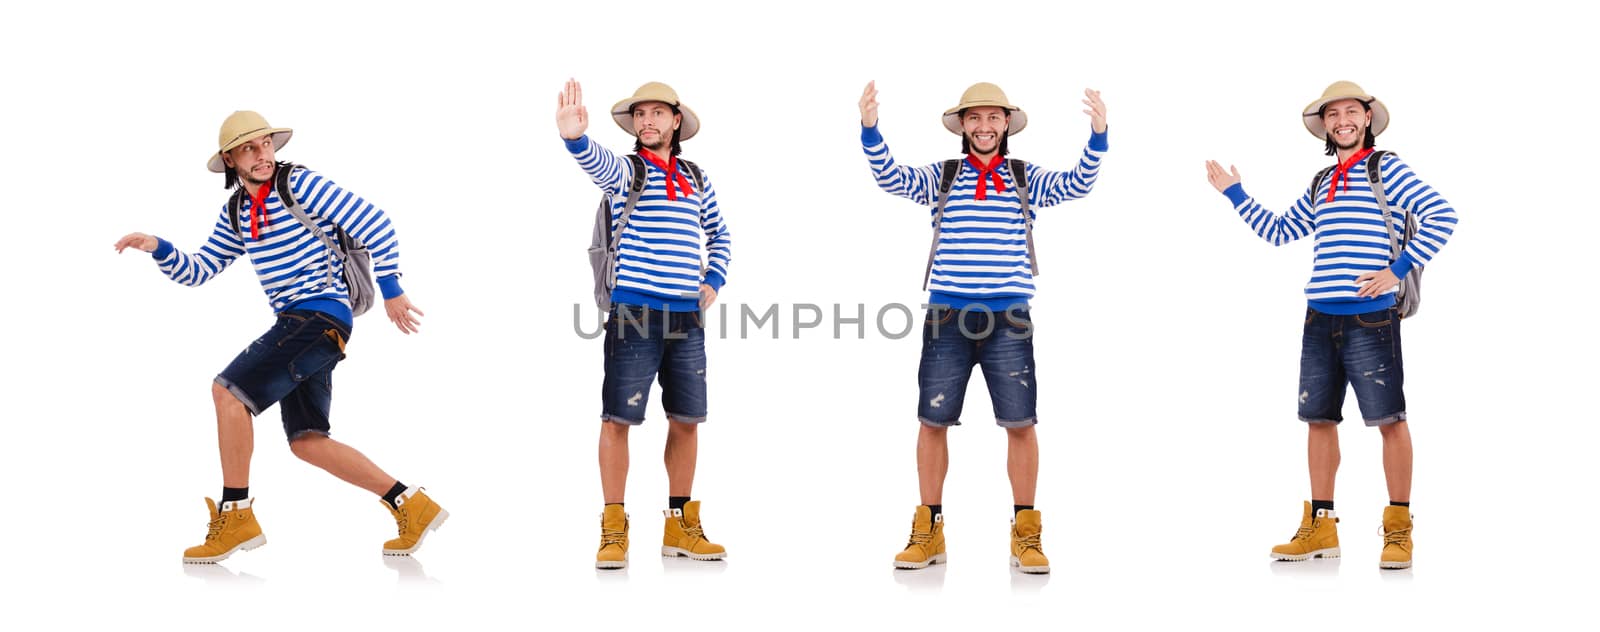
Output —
(681, 428)
(307, 445)
(1394, 430)
(1024, 433)
(223, 397)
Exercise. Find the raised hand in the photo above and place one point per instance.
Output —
(140, 241)
(1096, 111)
(869, 105)
(571, 117)
(1220, 179)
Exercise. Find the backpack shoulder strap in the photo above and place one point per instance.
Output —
(1375, 178)
(694, 174)
(235, 204)
(1375, 170)
(286, 197)
(635, 189)
(640, 176)
(1019, 174)
(1316, 180)
(281, 183)
(947, 180)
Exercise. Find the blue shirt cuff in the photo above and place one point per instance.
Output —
(390, 286)
(715, 280)
(163, 248)
(870, 135)
(1236, 194)
(1098, 140)
(577, 146)
(1402, 267)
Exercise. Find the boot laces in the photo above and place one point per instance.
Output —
(214, 528)
(922, 538)
(694, 531)
(1306, 529)
(609, 537)
(1398, 537)
(1030, 542)
(400, 520)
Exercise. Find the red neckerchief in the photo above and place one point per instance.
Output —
(675, 180)
(983, 172)
(1343, 171)
(258, 208)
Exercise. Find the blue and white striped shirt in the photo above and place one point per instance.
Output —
(290, 261)
(659, 262)
(982, 255)
(1350, 235)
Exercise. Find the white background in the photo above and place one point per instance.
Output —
(1167, 343)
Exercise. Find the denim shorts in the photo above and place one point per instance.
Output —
(642, 344)
(1361, 350)
(291, 364)
(953, 341)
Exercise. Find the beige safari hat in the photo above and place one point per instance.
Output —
(1337, 91)
(242, 127)
(622, 112)
(980, 95)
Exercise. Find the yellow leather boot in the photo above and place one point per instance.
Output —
(613, 538)
(683, 535)
(1027, 554)
(415, 514)
(233, 528)
(1396, 537)
(927, 541)
(1317, 537)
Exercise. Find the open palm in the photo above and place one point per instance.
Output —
(571, 117)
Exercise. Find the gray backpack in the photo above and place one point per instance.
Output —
(1408, 295)
(947, 179)
(604, 243)
(351, 254)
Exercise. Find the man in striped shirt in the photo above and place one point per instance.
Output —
(980, 279)
(1352, 329)
(292, 363)
(664, 282)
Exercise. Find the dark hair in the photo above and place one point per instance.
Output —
(677, 148)
(1366, 143)
(1005, 147)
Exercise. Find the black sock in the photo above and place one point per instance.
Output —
(935, 509)
(1016, 509)
(677, 502)
(235, 493)
(1321, 504)
(1397, 503)
(610, 504)
(394, 493)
